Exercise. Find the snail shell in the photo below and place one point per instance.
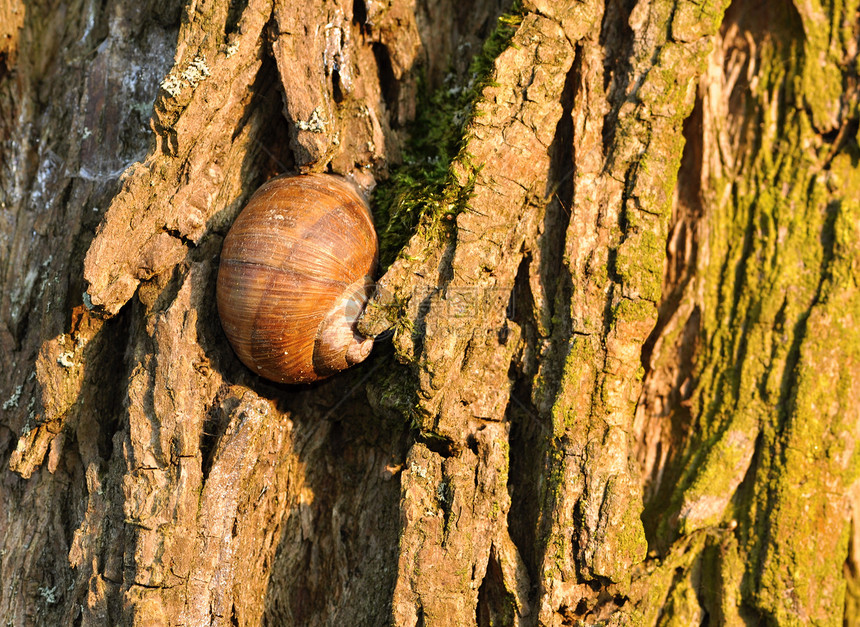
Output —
(294, 276)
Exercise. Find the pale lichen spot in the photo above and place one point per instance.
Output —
(314, 124)
(193, 74)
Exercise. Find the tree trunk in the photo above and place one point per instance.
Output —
(617, 373)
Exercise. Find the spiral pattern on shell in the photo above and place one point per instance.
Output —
(294, 276)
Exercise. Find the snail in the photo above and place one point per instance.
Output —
(294, 276)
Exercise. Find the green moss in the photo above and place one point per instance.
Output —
(625, 542)
(423, 189)
(393, 397)
(639, 263)
(425, 193)
(821, 83)
(814, 457)
(779, 277)
(634, 310)
(550, 490)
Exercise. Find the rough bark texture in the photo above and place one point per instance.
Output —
(623, 382)
(754, 448)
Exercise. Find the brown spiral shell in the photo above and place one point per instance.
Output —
(294, 276)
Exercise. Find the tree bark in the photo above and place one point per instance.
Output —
(618, 366)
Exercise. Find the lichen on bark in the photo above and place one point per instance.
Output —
(767, 452)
